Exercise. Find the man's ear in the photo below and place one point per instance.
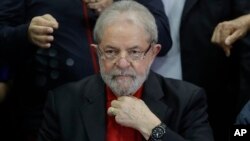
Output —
(156, 49)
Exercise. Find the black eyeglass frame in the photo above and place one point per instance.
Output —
(100, 51)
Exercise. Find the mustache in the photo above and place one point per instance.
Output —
(117, 72)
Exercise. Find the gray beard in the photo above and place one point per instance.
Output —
(126, 87)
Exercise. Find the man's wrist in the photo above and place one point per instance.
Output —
(146, 129)
(158, 132)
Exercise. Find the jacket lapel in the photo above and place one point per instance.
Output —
(187, 7)
(154, 98)
(93, 111)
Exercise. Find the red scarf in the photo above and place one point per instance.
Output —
(116, 132)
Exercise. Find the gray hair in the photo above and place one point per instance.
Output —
(130, 11)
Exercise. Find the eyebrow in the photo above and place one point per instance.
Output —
(112, 47)
(109, 46)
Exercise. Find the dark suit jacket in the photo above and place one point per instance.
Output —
(205, 64)
(76, 112)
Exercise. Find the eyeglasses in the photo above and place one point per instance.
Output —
(133, 54)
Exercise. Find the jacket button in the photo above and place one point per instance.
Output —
(70, 62)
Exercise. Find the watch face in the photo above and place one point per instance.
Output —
(158, 132)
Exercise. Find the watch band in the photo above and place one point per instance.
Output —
(158, 132)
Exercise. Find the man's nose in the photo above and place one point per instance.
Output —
(123, 62)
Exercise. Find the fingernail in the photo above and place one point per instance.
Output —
(50, 30)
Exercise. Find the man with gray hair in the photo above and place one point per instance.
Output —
(126, 102)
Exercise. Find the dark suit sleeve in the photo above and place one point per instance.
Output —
(13, 29)
(50, 126)
(157, 9)
(240, 7)
(194, 123)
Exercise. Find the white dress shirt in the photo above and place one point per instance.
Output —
(170, 64)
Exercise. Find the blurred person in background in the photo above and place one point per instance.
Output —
(194, 58)
(226, 34)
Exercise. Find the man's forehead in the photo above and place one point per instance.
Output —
(126, 36)
(123, 26)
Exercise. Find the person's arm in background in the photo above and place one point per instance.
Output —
(13, 39)
(13, 29)
(17, 33)
(156, 8)
(233, 34)
(228, 32)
